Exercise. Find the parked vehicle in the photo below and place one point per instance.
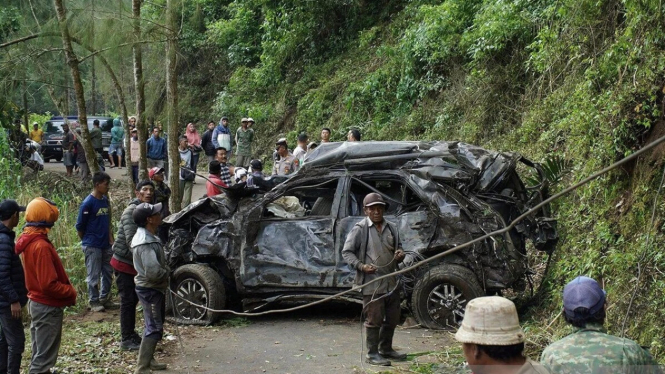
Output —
(286, 244)
(53, 135)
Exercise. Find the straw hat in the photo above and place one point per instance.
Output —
(490, 320)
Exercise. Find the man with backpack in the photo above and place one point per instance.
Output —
(186, 175)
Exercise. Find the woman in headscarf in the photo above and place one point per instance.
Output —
(49, 288)
(194, 143)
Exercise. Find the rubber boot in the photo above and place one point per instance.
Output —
(386, 345)
(154, 364)
(373, 357)
(146, 351)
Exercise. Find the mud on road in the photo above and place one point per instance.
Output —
(324, 339)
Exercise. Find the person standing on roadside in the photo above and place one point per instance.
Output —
(221, 136)
(49, 288)
(156, 150)
(36, 133)
(206, 142)
(93, 226)
(96, 137)
(492, 339)
(373, 249)
(162, 196)
(325, 135)
(226, 172)
(244, 140)
(80, 157)
(117, 141)
(68, 149)
(353, 135)
(194, 143)
(123, 266)
(152, 281)
(185, 175)
(301, 149)
(134, 154)
(285, 164)
(13, 294)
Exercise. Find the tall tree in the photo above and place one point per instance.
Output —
(172, 101)
(139, 84)
(73, 63)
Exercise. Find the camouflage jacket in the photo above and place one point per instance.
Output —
(593, 350)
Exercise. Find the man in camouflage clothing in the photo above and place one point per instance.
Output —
(590, 349)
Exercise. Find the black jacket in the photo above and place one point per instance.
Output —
(206, 143)
(12, 279)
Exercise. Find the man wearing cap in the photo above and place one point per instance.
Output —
(244, 140)
(152, 281)
(286, 164)
(215, 184)
(49, 288)
(123, 266)
(373, 249)
(134, 154)
(250, 122)
(93, 226)
(589, 348)
(13, 294)
(492, 339)
(162, 196)
(221, 136)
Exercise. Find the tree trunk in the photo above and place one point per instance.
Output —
(139, 85)
(172, 103)
(72, 61)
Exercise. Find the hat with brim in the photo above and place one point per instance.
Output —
(490, 320)
(155, 170)
(243, 120)
(143, 211)
(8, 208)
(250, 119)
(374, 199)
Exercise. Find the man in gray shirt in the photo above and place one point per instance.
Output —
(373, 249)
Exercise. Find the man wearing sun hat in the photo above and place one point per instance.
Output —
(49, 288)
(589, 348)
(373, 249)
(492, 339)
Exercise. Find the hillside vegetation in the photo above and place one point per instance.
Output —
(578, 79)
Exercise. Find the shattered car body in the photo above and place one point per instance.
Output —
(440, 195)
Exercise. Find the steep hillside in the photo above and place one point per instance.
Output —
(578, 79)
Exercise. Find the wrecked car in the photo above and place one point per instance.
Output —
(285, 244)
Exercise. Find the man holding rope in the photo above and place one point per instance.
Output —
(373, 249)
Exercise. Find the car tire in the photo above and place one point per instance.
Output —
(441, 294)
(47, 159)
(201, 285)
(58, 159)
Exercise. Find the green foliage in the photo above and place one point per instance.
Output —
(9, 168)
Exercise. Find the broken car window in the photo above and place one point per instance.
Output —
(312, 198)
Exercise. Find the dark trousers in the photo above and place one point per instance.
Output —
(135, 174)
(12, 342)
(195, 160)
(153, 312)
(384, 312)
(128, 302)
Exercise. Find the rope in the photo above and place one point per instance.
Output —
(452, 250)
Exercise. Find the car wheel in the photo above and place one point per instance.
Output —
(441, 294)
(200, 285)
(58, 159)
(47, 159)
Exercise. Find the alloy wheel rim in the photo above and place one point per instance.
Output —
(191, 290)
(445, 305)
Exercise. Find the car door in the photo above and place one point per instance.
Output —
(415, 221)
(294, 242)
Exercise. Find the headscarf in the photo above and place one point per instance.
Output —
(193, 137)
(40, 215)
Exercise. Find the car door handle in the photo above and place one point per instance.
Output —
(322, 232)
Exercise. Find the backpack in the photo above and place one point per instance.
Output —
(188, 175)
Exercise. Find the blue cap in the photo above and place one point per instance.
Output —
(583, 292)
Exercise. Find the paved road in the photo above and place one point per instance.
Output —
(115, 173)
(324, 339)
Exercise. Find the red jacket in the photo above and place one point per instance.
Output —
(211, 189)
(45, 277)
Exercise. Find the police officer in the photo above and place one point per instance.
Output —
(285, 163)
(590, 349)
(373, 249)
